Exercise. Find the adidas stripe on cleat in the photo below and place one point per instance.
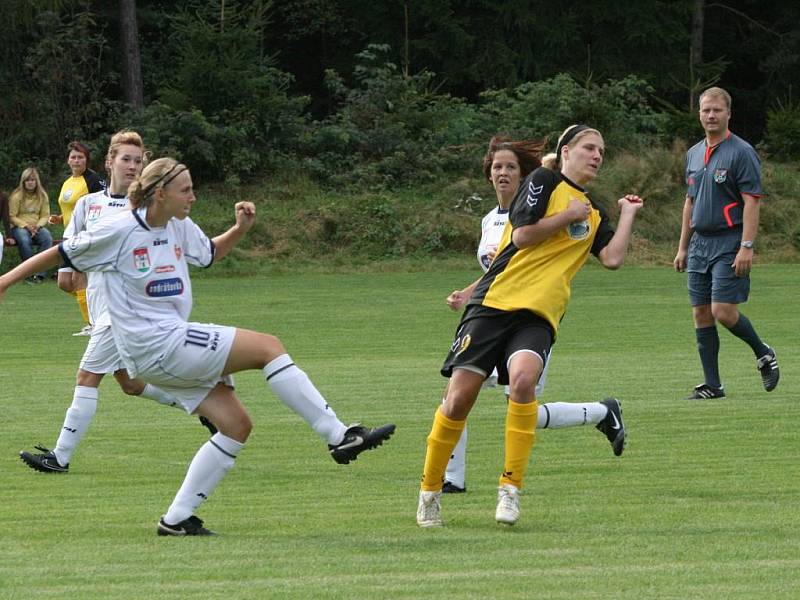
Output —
(45, 462)
(768, 367)
(357, 439)
(706, 392)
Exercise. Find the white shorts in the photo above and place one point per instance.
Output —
(101, 355)
(193, 362)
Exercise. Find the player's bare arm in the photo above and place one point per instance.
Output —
(245, 217)
(613, 255)
(744, 258)
(528, 235)
(35, 264)
(686, 233)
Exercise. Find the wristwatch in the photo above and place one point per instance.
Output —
(747, 244)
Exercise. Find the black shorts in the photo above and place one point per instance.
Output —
(486, 338)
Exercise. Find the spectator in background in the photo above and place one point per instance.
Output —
(82, 181)
(29, 212)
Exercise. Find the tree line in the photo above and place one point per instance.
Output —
(382, 93)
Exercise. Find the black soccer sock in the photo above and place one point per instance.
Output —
(743, 329)
(708, 347)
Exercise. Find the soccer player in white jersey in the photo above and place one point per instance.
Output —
(505, 164)
(144, 256)
(124, 161)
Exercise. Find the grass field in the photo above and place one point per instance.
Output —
(703, 504)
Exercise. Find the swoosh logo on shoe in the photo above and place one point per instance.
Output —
(356, 442)
(616, 424)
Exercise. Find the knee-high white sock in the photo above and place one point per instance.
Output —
(152, 392)
(214, 459)
(296, 391)
(555, 415)
(79, 417)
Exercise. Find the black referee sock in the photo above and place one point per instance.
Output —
(708, 347)
(743, 329)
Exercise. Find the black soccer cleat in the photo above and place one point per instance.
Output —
(46, 462)
(706, 392)
(208, 425)
(451, 488)
(770, 373)
(190, 526)
(613, 426)
(357, 439)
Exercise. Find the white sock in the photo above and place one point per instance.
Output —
(79, 417)
(297, 392)
(456, 472)
(555, 415)
(214, 459)
(152, 392)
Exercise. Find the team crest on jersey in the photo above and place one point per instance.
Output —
(178, 252)
(720, 175)
(94, 212)
(141, 259)
(578, 230)
(533, 193)
(164, 287)
(67, 195)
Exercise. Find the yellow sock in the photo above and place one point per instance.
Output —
(80, 296)
(442, 439)
(520, 435)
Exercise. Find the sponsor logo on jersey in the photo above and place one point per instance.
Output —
(117, 204)
(178, 252)
(164, 287)
(533, 193)
(94, 212)
(67, 195)
(578, 231)
(165, 269)
(720, 175)
(158, 242)
(141, 259)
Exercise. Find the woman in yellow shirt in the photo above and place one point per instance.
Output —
(82, 181)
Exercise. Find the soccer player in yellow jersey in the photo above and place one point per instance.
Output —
(512, 317)
(82, 181)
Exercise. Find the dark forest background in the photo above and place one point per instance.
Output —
(382, 92)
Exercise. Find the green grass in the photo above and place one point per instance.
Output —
(703, 504)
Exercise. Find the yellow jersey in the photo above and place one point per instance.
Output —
(538, 278)
(75, 187)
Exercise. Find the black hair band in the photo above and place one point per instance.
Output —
(151, 188)
(568, 137)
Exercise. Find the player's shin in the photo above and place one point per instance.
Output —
(442, 439)
(520, 436)
(296, 391)
(214, 459)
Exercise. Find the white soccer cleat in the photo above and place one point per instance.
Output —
(429, 509)
(507, 504)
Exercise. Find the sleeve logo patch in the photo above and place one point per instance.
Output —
(533, 193)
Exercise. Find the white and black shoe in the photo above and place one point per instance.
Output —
(451, 488)
(706, 392)
(45, 462)
(357, 439)
(429, 509)
(613, 426)
(768, 367)
(190, 526)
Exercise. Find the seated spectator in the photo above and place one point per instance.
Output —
(29, 211)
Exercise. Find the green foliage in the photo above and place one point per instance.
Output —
(619, 109)
(782, 137)
(388, 129)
